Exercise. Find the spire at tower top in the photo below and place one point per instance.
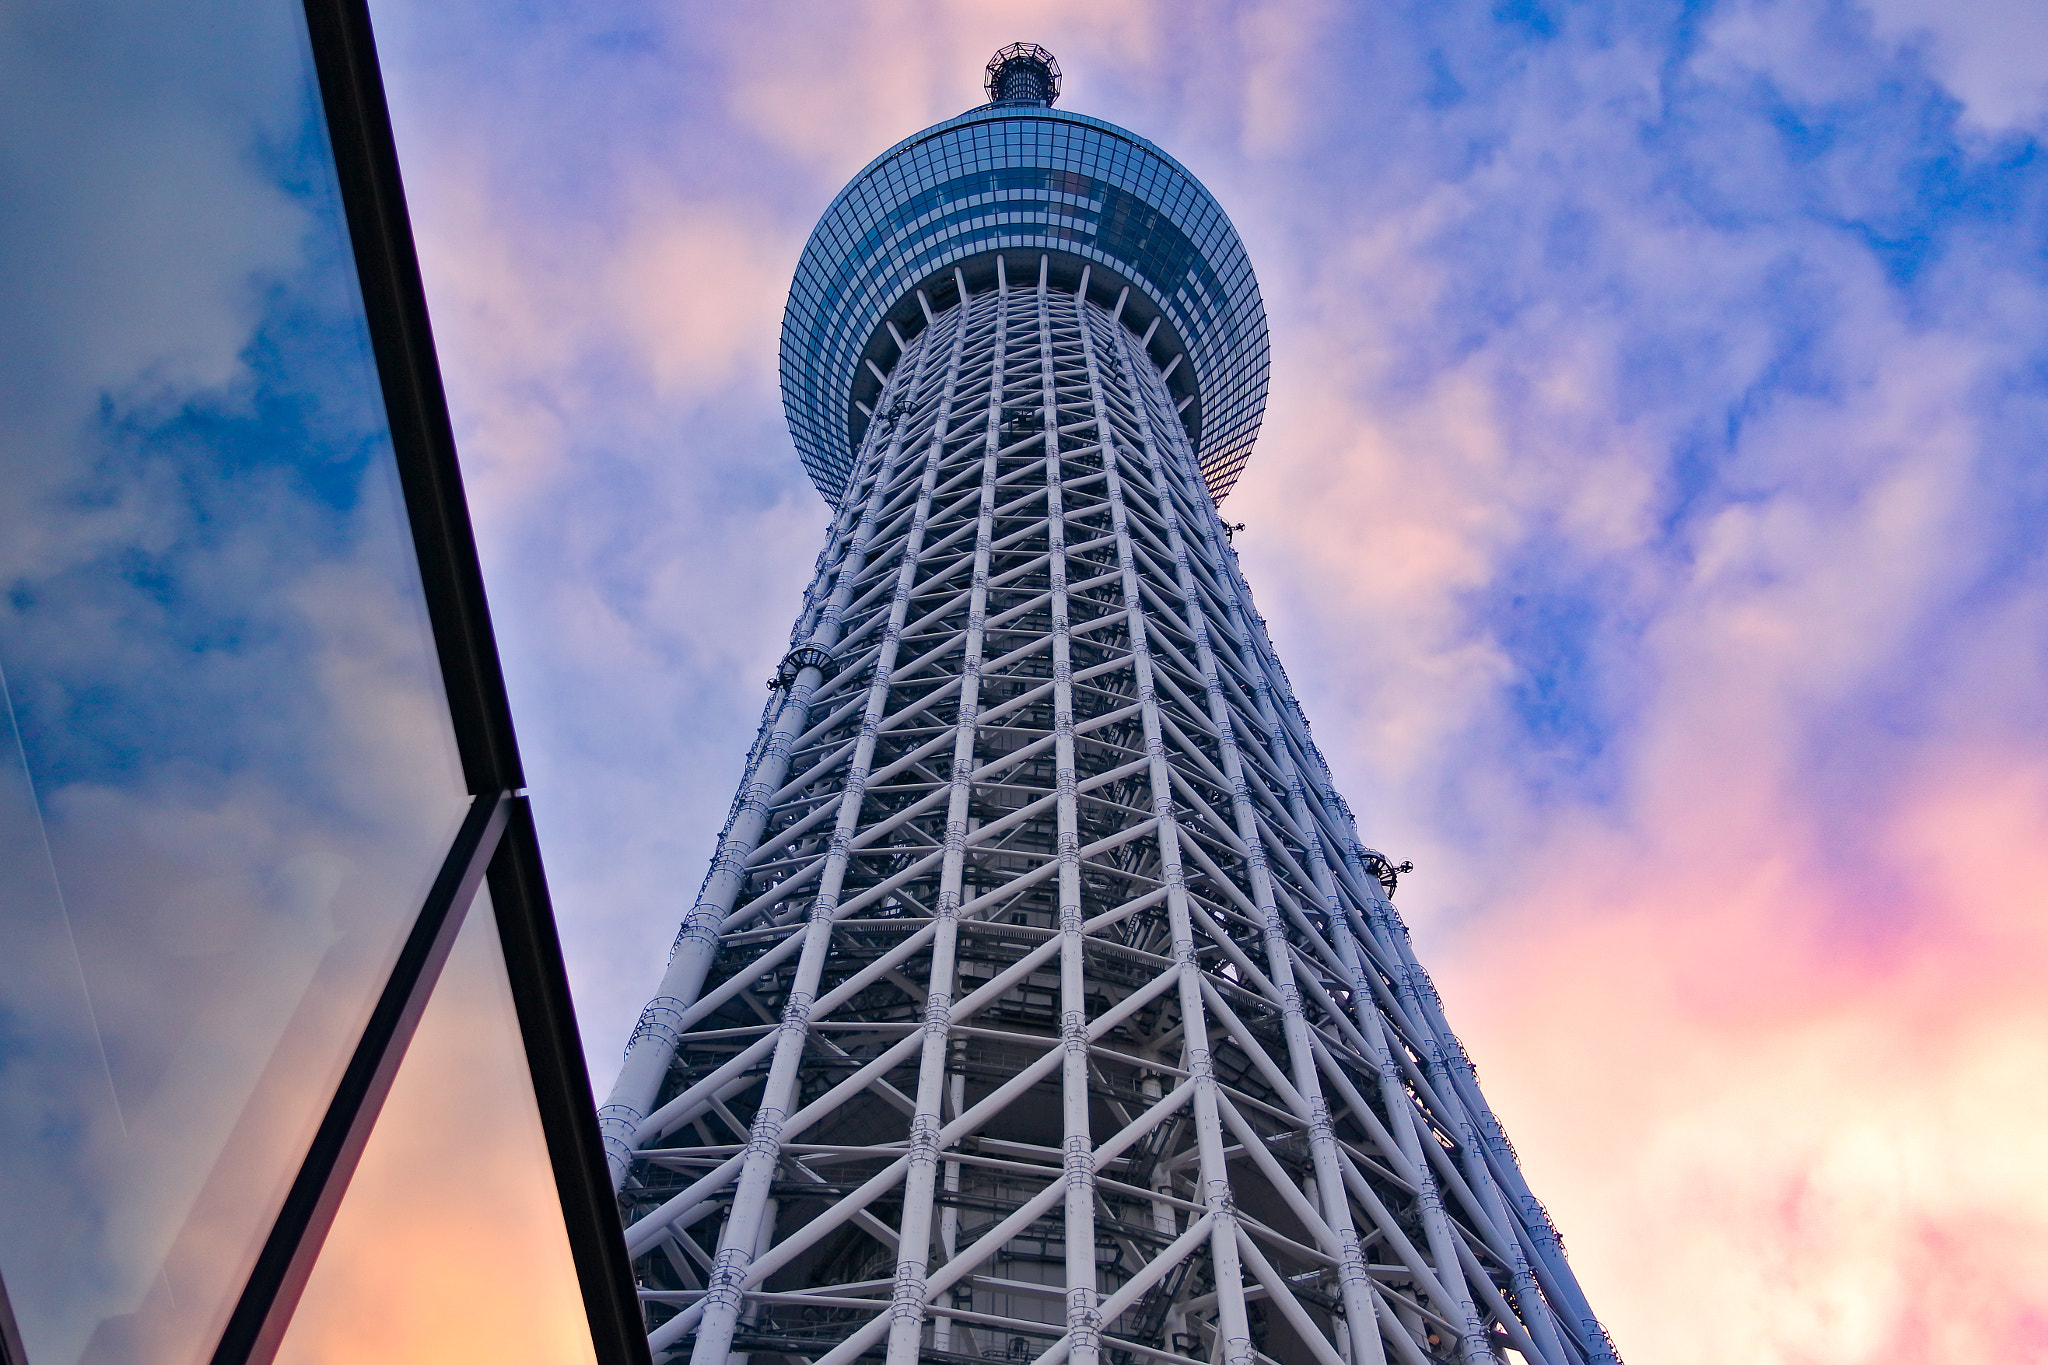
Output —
(1022, 73)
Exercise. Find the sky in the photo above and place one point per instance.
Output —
(227, 778)
(1647, 512)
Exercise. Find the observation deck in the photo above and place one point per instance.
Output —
(1021, 179)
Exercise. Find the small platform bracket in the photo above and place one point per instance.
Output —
(797, 660)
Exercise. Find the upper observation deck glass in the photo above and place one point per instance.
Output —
(1024, 179)
(228, 773)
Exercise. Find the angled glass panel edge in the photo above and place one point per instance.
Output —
(271, 1293)
(562, 1090)
(227, 772)
(461, 1118)
(372, 189)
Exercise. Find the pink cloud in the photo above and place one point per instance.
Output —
(1730, 1096)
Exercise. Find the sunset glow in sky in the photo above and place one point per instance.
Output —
(1649, 512)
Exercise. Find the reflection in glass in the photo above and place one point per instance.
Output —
(457, 1161)
(226, 770)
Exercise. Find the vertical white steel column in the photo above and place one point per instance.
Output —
(1233, 1345)
(1535, 1311)
(1077, 1148)
(907, 1309)
(654, 1041)
(762, 1241)
(1402, 1115)
(1279, 961)
(1521, 1211)
(1533, 1225)
(723, 1293)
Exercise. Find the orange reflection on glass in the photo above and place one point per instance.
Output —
(449, 1244)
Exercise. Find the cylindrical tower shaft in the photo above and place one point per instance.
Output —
(1041, 1002)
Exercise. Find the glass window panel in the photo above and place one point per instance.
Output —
(449, 1244)
(227, 775)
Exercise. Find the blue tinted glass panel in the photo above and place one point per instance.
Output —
(227, 774)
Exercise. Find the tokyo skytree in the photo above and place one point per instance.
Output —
(1041, 1003)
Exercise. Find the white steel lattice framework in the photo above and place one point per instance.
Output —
(1041, 1002)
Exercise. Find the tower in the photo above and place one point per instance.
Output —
(1040, 1002)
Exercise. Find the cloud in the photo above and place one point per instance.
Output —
(1987, 54)
(1690, 406)
(1647, 509)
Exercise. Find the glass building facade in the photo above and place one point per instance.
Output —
(1026, 178)
(258, 782)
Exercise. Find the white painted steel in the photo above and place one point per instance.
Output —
(1041, 1002)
